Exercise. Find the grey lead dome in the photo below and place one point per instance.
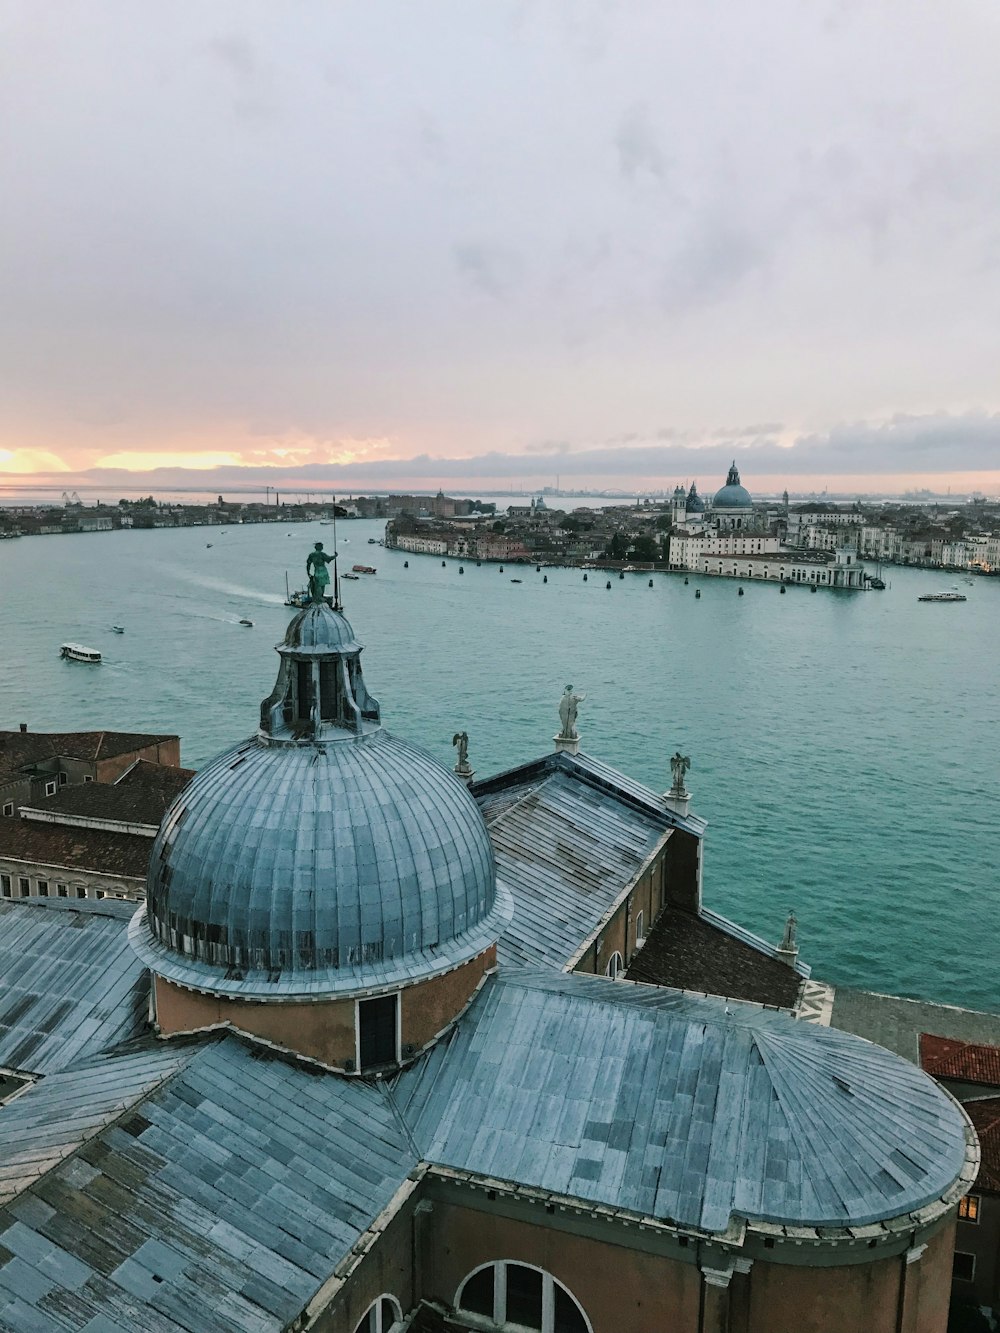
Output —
(322, 845)
(733, 495)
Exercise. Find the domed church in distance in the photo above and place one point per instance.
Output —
(732, 505)
(371, 1063)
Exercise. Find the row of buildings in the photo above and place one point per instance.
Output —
(375, 1047)
(728, 536)
(72, 516)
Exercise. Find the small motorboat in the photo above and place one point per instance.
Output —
(372, 541)
(76, 652)
(300, 599)
(117, 629)
(353, 577)
(208, 546)
(517, 580)
(248, 623)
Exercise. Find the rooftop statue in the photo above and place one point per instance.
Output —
(788, 943)
(319, 575)
(461, 739)
(567, 713)
(679, 765)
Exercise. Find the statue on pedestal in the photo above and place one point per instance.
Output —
(679, 765)
(319, 575)
(463, 769)
(568, 705)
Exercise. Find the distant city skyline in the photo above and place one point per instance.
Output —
(371, 247)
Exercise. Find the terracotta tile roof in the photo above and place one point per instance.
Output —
(19, 749)
(140, 796)
(96, 850)
(985, 1115)
(962, 1060)
(685, 951)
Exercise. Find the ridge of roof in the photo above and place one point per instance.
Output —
(598, 774)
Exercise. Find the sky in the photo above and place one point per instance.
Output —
(410, 243)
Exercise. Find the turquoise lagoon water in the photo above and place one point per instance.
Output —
(844, 747)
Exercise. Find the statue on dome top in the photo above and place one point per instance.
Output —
(319, 575)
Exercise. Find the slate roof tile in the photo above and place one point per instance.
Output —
(71, 986)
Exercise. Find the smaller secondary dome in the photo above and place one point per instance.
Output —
(733, 495)
(320, 626)
(695, 504)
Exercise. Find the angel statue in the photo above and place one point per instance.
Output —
(568, 705)
(319, 575)
(679, 765)
(461, 739)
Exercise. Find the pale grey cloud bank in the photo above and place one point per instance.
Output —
(466, 229)
(926, 446)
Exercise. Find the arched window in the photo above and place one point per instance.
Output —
(381, 1316)
(615, 965)
(507, 1295)
(638, 929)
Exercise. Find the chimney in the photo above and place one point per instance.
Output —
(24, 727)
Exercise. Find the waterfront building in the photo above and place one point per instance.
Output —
(803, 518)
(381, 1094)
(421, 544)
(688, 550)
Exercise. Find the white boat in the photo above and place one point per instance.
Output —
(354, 577)
(76, 652)
(117, 629)
(943, 597)
(300, 599)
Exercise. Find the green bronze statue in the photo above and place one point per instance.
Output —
(319, 575)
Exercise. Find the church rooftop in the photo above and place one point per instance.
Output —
(72, 987)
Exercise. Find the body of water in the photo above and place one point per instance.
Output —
(844, 747)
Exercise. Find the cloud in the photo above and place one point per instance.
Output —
(933, 444)
(639, 150)
(493, 269)
(716, 258)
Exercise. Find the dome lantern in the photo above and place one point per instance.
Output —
(320, 690)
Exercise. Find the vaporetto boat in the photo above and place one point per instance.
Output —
(76, 652)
